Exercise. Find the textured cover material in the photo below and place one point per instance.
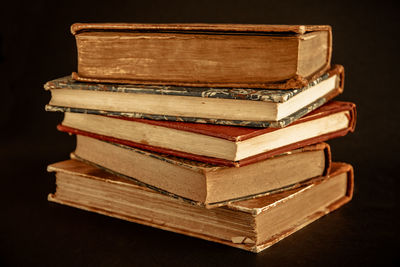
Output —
(234, 134)
(274, 95)
(296, 31)
(277, 96)
(207, 168)
(198, 27)
(254, 207)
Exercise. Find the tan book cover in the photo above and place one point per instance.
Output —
(207, 184)
(252, 225)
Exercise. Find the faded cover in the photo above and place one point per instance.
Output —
(234, 134)
(295, 30)
(246, 94)
(201, 167)
(253, 206)
(76, 28)
(267, 95)
(337, 168)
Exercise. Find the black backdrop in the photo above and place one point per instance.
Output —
(36, 46)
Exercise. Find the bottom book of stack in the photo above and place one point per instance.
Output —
(253, 224)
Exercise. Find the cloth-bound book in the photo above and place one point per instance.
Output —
(253, 224)
(226, 106)
(226, 145)
(203, 183)
(211, 55)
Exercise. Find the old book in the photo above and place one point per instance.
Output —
(228, 106)
(212, 55)
(252, 225)
(227, 145)
(208, 184)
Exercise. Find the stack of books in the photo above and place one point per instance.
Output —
(211, 130)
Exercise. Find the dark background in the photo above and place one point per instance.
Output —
(36, 46)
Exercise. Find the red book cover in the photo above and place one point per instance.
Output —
(233, 134)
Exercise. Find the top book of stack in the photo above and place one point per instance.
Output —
(203, 55)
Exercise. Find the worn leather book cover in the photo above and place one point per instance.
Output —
(241, 96)
(207, 184)
(247, 224)
(212, 55)
(232, 134)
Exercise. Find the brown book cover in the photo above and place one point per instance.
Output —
(206, 184)
(231, 134)
(211, 55)
(250, 225)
